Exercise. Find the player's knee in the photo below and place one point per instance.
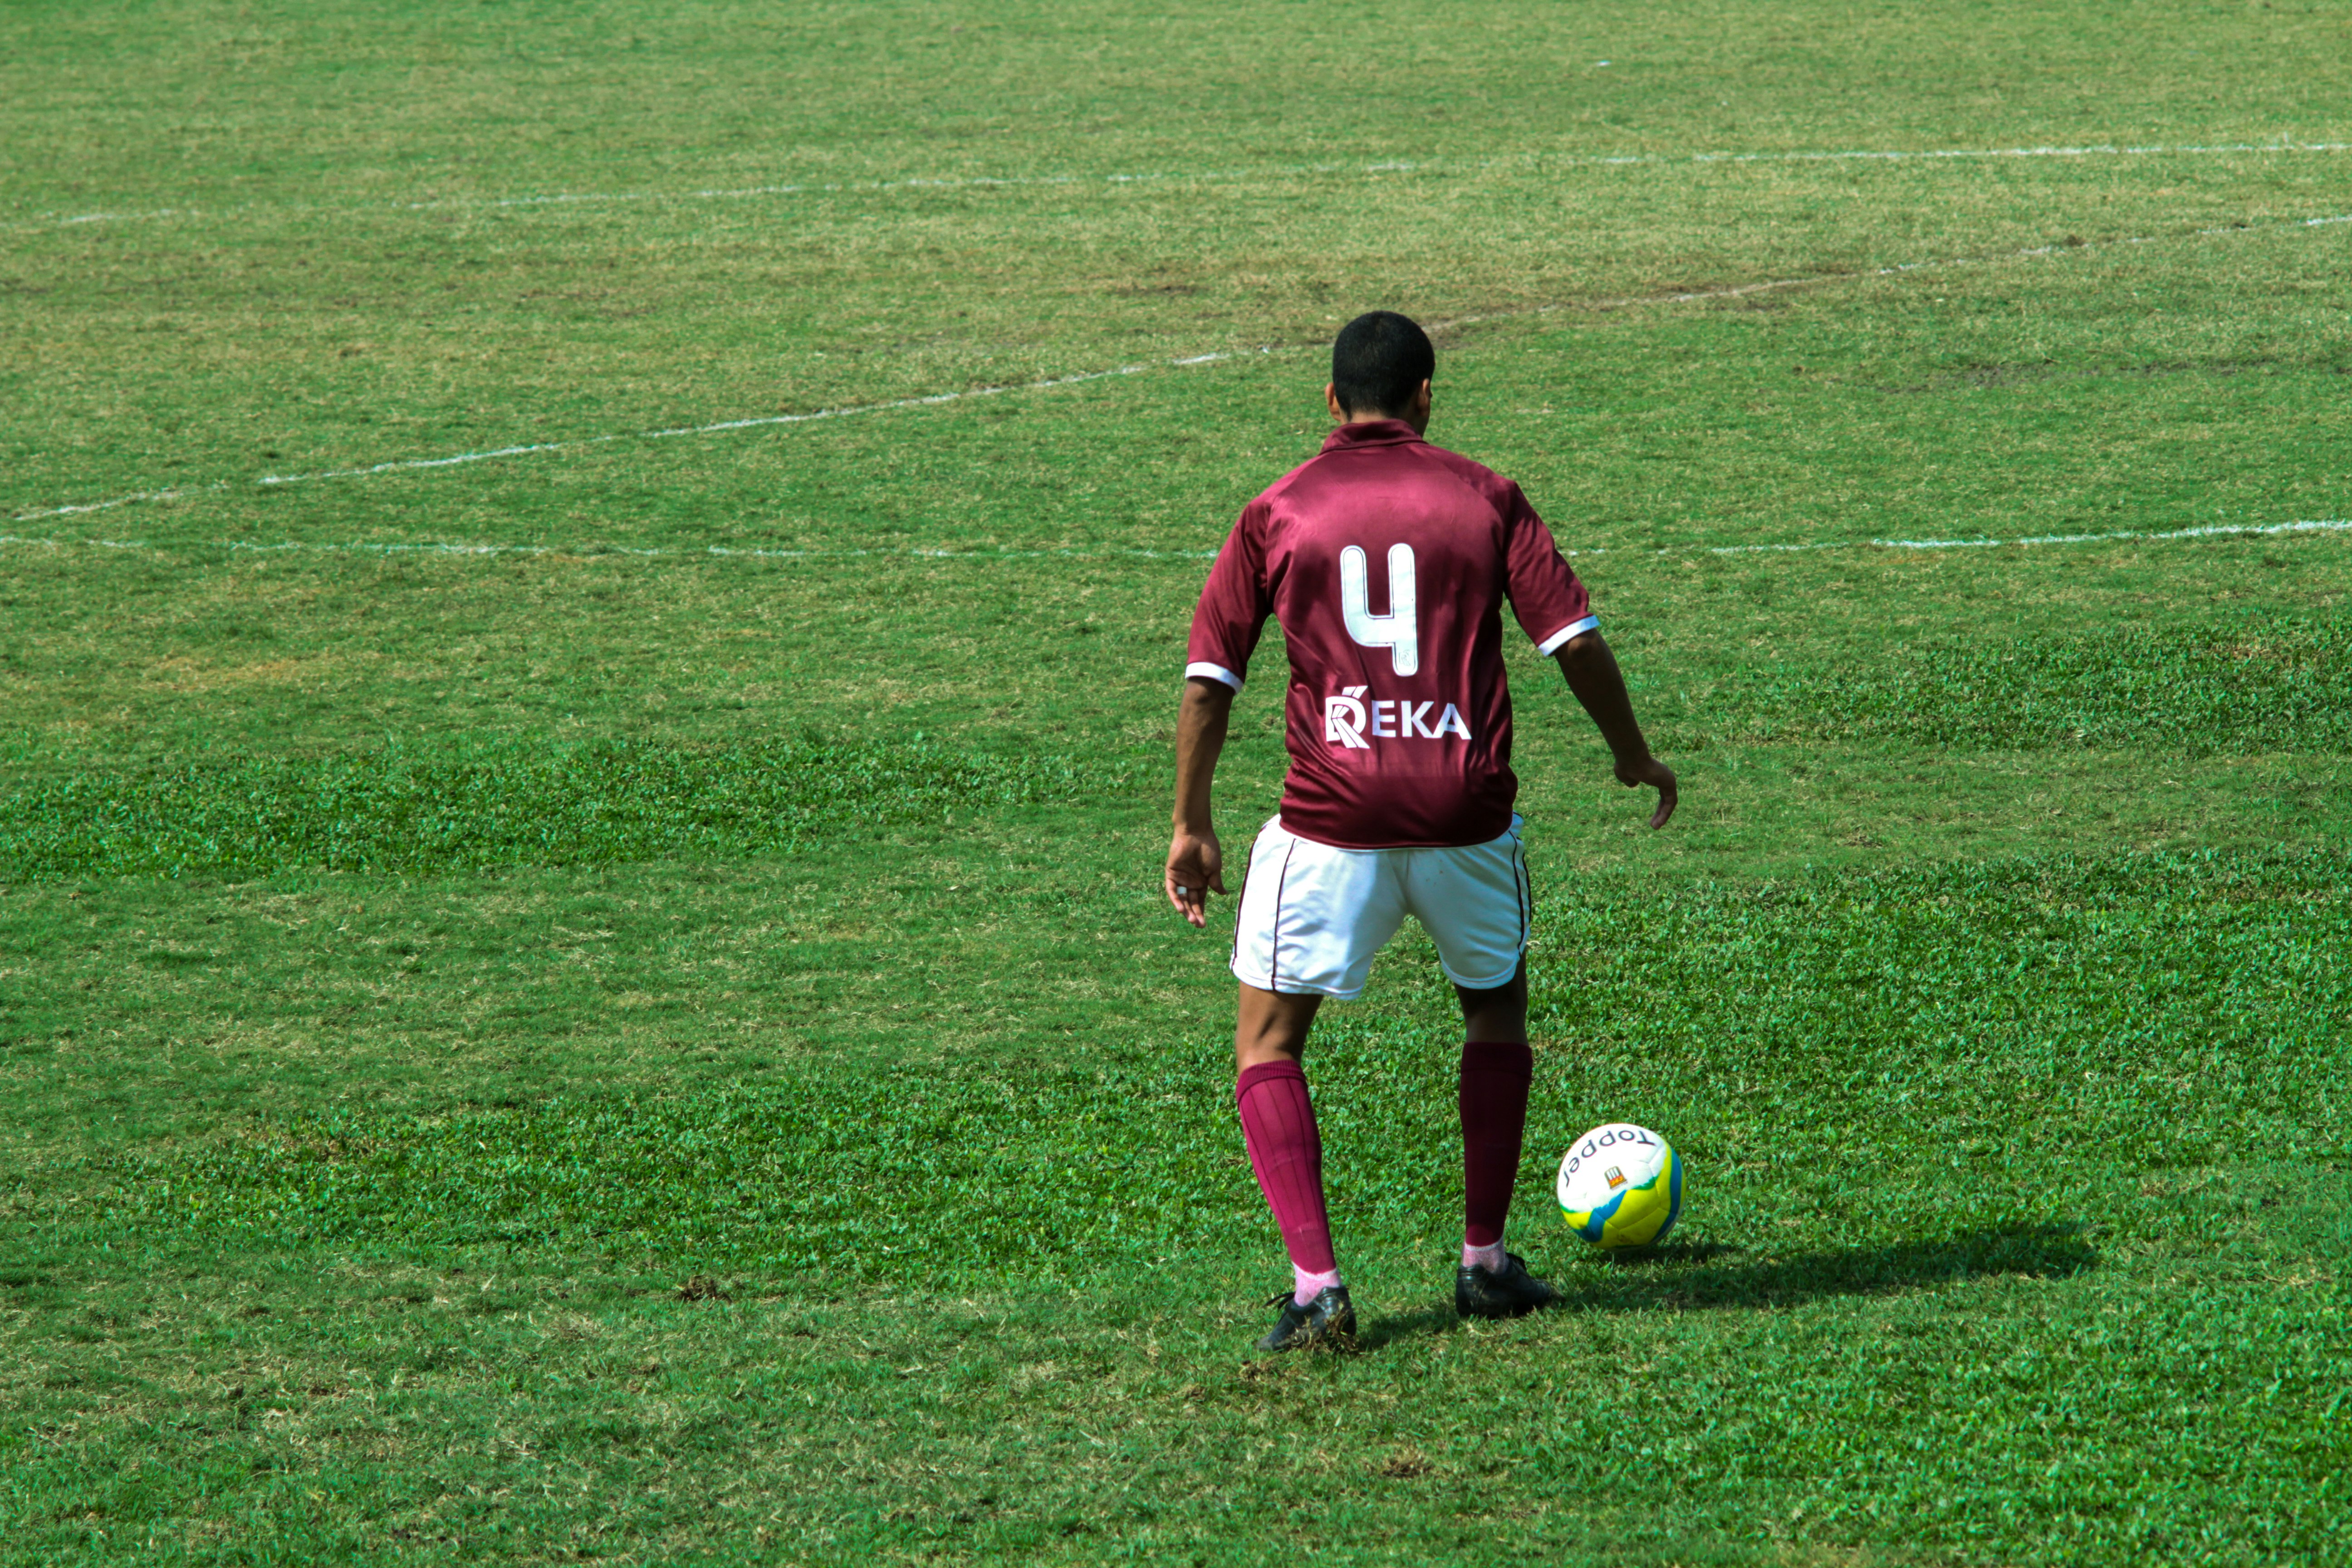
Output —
(1496, 1013)
(1272, 1026)
(1248, 1054)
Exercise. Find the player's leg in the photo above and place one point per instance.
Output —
(1497, 1068)
(1310, 919)
(1277, 1117)
(1475, 902)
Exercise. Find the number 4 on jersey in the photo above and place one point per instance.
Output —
(1399, 631)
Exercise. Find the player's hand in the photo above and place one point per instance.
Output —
(1196, 867)
(1658, 776)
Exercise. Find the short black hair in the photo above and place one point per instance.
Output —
(1377, 361)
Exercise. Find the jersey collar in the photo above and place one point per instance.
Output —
(1369, 433)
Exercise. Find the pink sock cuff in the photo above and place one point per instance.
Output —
(1513, 1056)
(1488, 1255)
(1307, 1283)
(1265, 1072)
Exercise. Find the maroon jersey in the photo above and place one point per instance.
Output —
(1387, 560)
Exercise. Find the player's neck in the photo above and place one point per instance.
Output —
(1419, 425)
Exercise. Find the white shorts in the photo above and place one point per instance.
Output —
(1312, 916)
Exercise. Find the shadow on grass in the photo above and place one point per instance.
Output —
(1703, 1275)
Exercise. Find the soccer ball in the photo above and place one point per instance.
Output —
(1620, 1186)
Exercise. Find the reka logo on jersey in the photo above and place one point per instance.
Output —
(1349, 720)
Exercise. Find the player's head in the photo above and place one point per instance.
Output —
(1380, 366)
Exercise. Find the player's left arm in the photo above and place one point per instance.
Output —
(1555, 610)
(1592, 674)
(1196, 862)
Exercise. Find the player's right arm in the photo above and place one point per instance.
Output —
(1592, 674)
(1225, 625)
(1196, 862)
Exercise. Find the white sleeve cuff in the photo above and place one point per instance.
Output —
(1551, 645)
(1214, 672)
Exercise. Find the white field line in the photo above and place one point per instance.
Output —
(1737, 291)
(2116, 536)
(400, 465)
(723, 552)
(1537, 163)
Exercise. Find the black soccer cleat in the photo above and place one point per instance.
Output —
(1509, 1291)
(1328, 1322)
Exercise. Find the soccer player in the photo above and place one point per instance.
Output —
(1386, 561)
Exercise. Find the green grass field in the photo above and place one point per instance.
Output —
(611, 1000)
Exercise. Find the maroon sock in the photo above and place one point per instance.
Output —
(1278, 1123)
(1494, 1079)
